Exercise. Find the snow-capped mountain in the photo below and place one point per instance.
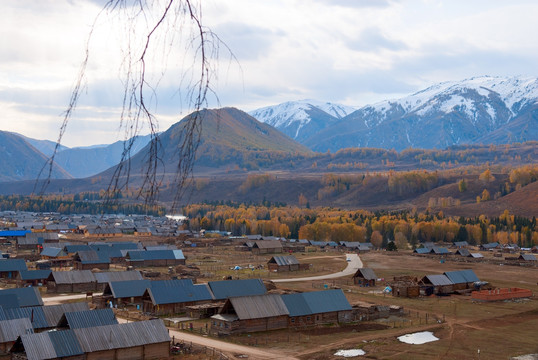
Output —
(482, 109)
(301, 119)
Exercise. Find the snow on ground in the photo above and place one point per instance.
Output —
(418, 338)
(350, 353)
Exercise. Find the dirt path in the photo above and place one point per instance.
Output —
(353, 265)
(59, 299)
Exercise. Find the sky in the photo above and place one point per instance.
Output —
(352, 52)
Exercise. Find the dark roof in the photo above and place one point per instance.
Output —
(232, 288)
(88, 318)
(12, 265)
(34, 313)
(490, 245)
(366, 273)
(129, 288)
(268, 244)
(28, 296)
(177, 291)
(71, 249)
(461, 276)
(316, 302)
(65, 343)
(284, 260)
(156, 255)
(51, 345)
(52, 252)
(527, 257)
(73, 277)
(461, 243)
(92, 257)
(8, 301)
(259, 306)
(439, 250)
(10, 330)
(463, 252)
(34, 274)
(53, 313)
(422, 250)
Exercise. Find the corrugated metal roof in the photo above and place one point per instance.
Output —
(53, 313)
(34, 274)
(10, 330)
(28, 296)
(52, 252)
(12, 265)
(130, 288)
(38, 346)
(88, 318)
(259, 306)
(108, 276)
(167, 292)
(268, 244)
(439, 280)
(366, 273)
(122, 335)
(156, 255)
(528, 257)
(233, 288)
(284, 260)
(461, 276)
(93, 257)
(422, 251)
(316, 302)
(34, 313)
(73, 277)
(8, 301)
(71, 249)
(463, 252)
(477, 255)
(65, 343)
(440, 250)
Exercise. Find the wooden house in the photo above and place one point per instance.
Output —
(122, 293)
(266, 247)
(436, 284)
(71, 281)
(462, 279)
(317, 307)
(251, 314)
(405, 286)
(89, 260)
(155, 258)
(225, 289)
(102, 232)
(32, 277)
(10, 268)
(139, 340)
(20, 297)
(10, 330)
(87, 318)
(173, 296)
(364, 277)
(285, 263)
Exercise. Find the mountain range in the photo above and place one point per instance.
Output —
(480, 110)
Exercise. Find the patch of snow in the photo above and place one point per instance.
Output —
(350, 353)
(418, 338)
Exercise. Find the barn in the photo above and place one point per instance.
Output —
(317, 307)
(250, 314)
(364, 277)
(285, 263)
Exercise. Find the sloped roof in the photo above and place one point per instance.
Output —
(156, 255)
(88, 318)
(71, 249)
(34, 313)
(439, 250)
(73, 277)
(108, 276)
(284, 260)
(51, 345)
(28, 296)
(92, 257)
(233, 288)
(422, 250)
(177, 291)
(53, 313)
(34, 274)
(51, 251)
(476, 255)
(463, 252)
(10, 330)
(12, 265)
(461, 276)
(439, 280)
(259, 306)
(129, 288)
(119, 336)
(366, 273)
(268, 244)
(528, 257)
(316, 302)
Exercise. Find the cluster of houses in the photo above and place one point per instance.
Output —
(31, 330)
(462, 250)
(437, 284)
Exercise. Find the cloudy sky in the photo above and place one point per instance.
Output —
(353, 52)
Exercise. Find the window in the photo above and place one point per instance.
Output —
(292, 320)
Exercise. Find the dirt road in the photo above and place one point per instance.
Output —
(353, 265)
(59, 299)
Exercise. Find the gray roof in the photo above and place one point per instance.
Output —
(51, 345)
(439, 280)
(156, 255)
(476, 255)
(108, 276)
(129, 288)
(177, 291)
(34, 274)
(316, 302)
(268, 244)
(463, 252)
(233, 288)
(284, 260)
(34, 313)
(53, 313)
(52, 252)
(119, 336)
(88, 318)
(10, 330)
(366, 273)
(527, 257)
(12, 265)
(422, 250)
(73, 277)
(461, 276)
(260, 306)
(92, 257)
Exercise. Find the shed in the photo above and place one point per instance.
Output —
(462, 279)
(364, 277)
(317, 307)
(251, 314)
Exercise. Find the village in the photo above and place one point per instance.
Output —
(133, 287)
